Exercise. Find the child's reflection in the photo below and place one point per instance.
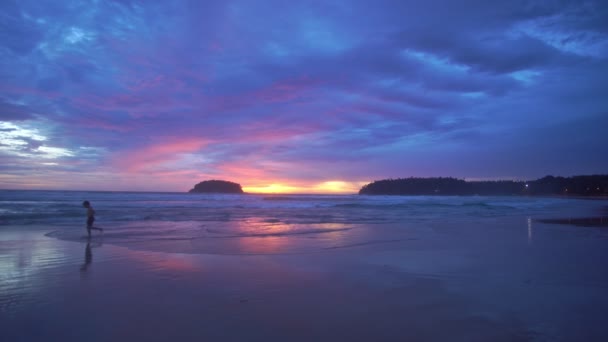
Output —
(88, 256)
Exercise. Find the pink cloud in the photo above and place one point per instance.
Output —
(178, 174)
(242, 170)
(150, 157)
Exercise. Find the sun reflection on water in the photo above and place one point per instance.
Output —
(268, 236)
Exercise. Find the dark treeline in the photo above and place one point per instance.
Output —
(595, 185)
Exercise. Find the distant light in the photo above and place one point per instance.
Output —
(526, 185)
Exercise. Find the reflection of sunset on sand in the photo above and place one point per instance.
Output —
(269, 244)
(259, 236)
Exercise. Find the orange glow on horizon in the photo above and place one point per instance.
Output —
(271, 189)
(329, 187)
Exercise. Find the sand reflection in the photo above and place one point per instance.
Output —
(23, 264)
(259, 236)
(264, 236)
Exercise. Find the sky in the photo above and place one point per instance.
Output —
(299, 96)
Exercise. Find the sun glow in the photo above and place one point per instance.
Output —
(339, 187)
(330, 187)
(271, 189)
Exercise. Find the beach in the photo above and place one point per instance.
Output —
(308, 268)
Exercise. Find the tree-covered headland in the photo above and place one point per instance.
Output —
(593, 185)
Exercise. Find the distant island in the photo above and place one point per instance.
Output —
(594, 185)
(217, 186)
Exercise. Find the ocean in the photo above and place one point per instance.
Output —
(302, 222)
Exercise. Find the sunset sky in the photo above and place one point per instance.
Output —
(299, 96)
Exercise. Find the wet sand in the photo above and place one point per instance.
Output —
(496, 280)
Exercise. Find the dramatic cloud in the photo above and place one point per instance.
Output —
(306, 96)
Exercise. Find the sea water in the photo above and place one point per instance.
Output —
(268, 224)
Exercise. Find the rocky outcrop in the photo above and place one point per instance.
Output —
(217, 186)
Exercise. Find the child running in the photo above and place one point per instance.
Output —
(90, 217)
